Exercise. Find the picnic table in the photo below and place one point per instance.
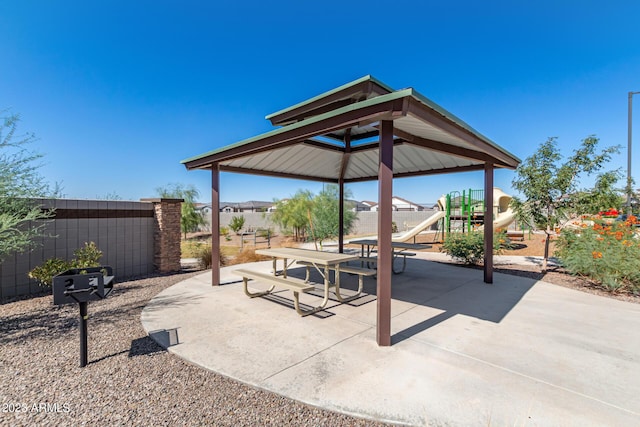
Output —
(399, 250)
(323, 262)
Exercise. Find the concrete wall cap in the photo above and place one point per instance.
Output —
(162, 200)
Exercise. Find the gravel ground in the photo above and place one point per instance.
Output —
(129, 380)
(132, 380)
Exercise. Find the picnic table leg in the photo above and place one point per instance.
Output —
(296, 296)
(393, 262)
(254, 294)
(337, 287)
(327, 283)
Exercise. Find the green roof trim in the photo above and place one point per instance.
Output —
(366, 78)
(352, 107)
(429, 103)
(356, 106)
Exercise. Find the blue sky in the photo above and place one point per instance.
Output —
(120, 92)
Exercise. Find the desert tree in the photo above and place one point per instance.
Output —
(294, 213)
(191, 218)
(325, 215)
(21, 185)
(548, 184)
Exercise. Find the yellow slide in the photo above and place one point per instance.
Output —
(409, 234)
(502, 212)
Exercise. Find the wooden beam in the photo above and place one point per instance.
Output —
(385, 254)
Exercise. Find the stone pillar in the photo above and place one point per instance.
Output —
(167, 234)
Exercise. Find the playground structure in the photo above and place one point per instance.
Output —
(464, 212)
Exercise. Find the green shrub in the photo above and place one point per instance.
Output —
(44, 273)
(469, 247)
(237, 222)
(264, 232)
(607, 253)
(190, 248)
(204, 257)
(87, 256)
(224, 231)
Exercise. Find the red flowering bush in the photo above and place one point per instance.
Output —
(610, 213)
(608, 254)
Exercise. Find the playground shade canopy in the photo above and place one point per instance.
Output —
(333, 137)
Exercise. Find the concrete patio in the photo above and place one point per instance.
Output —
(516, 352)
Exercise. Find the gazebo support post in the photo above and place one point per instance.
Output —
(488, 223)
(215, 225)
(343, 169)
(341, 216)
(385, 255)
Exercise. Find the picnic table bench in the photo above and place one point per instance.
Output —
(327, 260)
(402, 252)
(290, 283)
(361, 272)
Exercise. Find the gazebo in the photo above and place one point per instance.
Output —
(362, 131)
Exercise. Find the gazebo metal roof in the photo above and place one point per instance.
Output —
(320, 145)
(363, 130)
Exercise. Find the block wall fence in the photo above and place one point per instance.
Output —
(136, 239)
(366, 223)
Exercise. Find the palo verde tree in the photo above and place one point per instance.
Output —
(20, 184)
(548, 185)
(191, 218)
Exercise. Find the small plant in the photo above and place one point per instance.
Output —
(237, 222)
(224, 231)
(607, 253)
(248, 255)
(44, 273)
(264, 232)
(394, 227)
(190, 248)
(204, 257)
(85, 257)
(469, 247)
